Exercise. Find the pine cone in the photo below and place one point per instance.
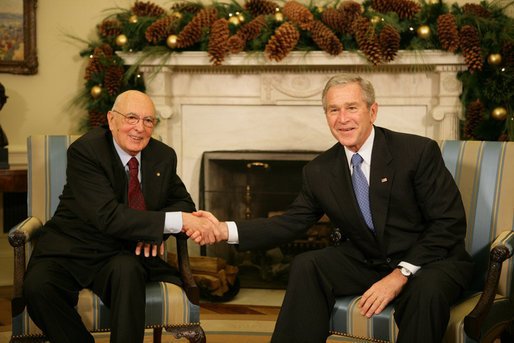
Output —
(298, 14)
(259, 7)
(326, 39)
(333, 19)
(97, 119)
(186, 7)
(476, 9)
(218, 41)
(95, 66)
(160, 29)
(404, 8)
(112, 79)
(282, 42)
(236, 44)
(448, 32)
(474, 116)
(508, 53)
(147, 9)
(470, 45)
(110, 28)
(367, 40)
(253, 29)
(350, 10)
(389, 40)
(192, 32)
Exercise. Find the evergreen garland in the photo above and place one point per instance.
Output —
(125, 29)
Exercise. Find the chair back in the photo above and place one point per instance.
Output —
(46, 173)
(483, 172)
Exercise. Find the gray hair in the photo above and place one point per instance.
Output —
(368, 92)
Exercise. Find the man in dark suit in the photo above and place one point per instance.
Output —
(104, 235)
(401, 215)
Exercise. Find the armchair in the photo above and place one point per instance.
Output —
(168, 306)
(483, 172)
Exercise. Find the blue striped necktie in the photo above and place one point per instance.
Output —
(361, 189)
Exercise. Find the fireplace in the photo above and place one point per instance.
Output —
(244, 184)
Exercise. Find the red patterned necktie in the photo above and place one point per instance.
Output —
(135, 196)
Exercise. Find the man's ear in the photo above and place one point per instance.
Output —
(373, 112)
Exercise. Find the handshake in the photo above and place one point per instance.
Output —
(204, 228)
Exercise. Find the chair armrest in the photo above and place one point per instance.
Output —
(25, 231)
(192, 291)
(18, 236)
(501, 249)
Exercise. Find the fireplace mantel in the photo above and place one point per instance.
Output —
(252, 103)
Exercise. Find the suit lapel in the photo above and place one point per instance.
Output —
(381, 181)
(342, 188)
(152, 174)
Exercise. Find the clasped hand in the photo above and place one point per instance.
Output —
(204, 228)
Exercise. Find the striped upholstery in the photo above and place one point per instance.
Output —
(166, 304)
(483, 173)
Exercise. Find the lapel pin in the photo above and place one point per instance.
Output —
(384, 179)
(158, 174)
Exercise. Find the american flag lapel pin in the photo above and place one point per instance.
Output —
(384, 179)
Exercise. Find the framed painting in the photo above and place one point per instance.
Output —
(18, 53)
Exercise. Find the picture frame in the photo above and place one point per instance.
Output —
(18, 54)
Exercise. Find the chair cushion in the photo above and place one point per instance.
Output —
(166, 305)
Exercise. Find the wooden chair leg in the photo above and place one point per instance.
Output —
(157, 335)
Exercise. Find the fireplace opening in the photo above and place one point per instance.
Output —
(240, 185)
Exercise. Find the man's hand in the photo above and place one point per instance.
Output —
(381, 293)
(201, 229)
(221, 228)
(146, 247)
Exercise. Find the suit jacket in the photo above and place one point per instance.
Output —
(415, 204)
(93, 221)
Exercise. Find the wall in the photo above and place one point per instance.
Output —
(40, 104)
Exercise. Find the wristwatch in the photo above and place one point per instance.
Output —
(405, 272)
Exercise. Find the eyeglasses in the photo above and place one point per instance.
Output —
(133, 119)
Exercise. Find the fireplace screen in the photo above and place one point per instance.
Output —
(239, 185)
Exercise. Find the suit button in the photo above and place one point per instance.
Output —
(365, 261)
(388, 260)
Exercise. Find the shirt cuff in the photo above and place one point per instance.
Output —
(412, 268)
(173, 222)
(233, 235)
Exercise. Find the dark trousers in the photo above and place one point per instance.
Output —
(317, 277)
(52, 294)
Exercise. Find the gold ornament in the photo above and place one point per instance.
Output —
(133, 19)
(499, 113)
(96, 91)
(234, 20)
(424, 31)
(494, 59)
(121, 40)
(432, 2)
(241, 18)
(279, 16)
(375, 20)
(171, 41)
(320, 9)
(176, 14)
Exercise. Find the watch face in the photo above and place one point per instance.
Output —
(405, 272)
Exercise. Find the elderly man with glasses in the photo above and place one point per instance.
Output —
(121, 200)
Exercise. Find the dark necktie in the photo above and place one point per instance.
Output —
(135, 196)
(361, 188)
